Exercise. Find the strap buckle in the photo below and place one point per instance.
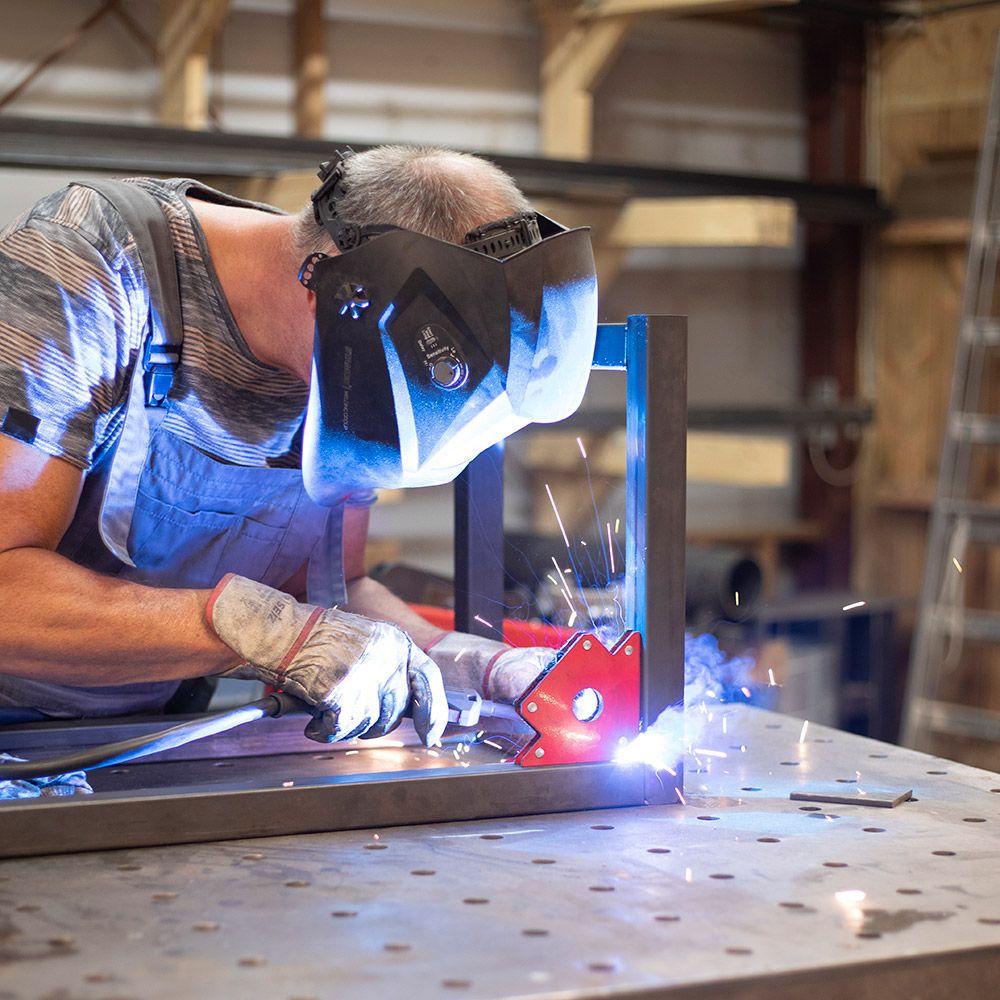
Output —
(159, 365)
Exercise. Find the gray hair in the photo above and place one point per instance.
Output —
(428, 189)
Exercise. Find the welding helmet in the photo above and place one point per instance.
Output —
(426, 353)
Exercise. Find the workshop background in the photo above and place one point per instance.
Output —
(822, 318)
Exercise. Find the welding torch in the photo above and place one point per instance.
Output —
(465, 709)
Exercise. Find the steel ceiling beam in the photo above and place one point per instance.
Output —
(129, 149)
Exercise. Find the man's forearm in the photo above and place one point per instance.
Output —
(60, 622)
(367, 597)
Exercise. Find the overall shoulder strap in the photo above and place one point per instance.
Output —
(145, 219)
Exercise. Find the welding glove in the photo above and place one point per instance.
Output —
(497, 671)
(359, 675)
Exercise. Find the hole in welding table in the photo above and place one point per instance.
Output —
(943, 854)
(344, 913)
(535, 932)
(991, 921)
(910, 892)
(395, 946)
(491, 836)
(456, 984)
(601, 967)
(768, 840)
(739, 951)
(475, 901)
(974, 819)
(792, 906)
(834, 864)
(588, 704)
(666, 918)
(657, 850)
(543, 861)
(602, 826)
(376, 847)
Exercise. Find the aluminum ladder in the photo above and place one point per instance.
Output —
(945, 625)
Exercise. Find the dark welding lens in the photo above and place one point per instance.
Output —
(505, 236)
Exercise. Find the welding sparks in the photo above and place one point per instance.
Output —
(572, 619)
(583, 451)
(852, 607)
(736, 597)
(483, 621)
(802, 734)
(611, 549)
(709, 753)
(771, 682)
(618, 521)
(562, 585)
(555, 510)
(956, 564)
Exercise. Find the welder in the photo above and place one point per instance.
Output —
(193, 424)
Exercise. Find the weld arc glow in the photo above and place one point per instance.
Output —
(710, 679)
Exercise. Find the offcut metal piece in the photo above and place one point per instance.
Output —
(585, 705)
(857, 796)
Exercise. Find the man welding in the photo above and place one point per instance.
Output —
(193, 423)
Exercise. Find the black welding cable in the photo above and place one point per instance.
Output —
(142, 746)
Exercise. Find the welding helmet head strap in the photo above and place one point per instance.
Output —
(505, 236)
(345, 235)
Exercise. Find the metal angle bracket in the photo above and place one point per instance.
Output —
(586, 704)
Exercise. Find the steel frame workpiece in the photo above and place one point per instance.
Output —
(289, 794)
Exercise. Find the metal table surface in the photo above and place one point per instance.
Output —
(740, 893)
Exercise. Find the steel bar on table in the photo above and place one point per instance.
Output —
(266, 808)
(75, 145)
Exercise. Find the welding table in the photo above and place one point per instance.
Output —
(742, 893)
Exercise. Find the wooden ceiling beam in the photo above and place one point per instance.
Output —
(311, 68)
(577, 53)
(680, 8)
(188, 28)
